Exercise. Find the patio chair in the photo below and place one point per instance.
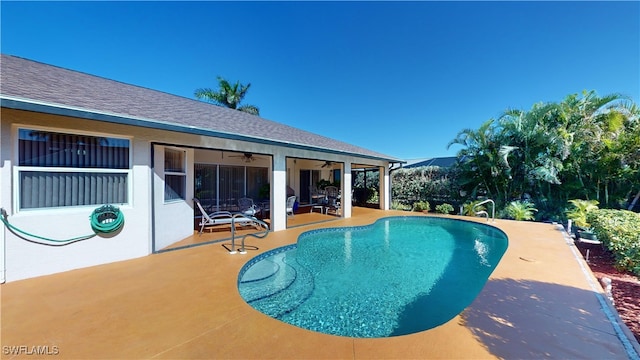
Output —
(332, 192)
(317, 196)
(333, 200)
(247, 207)
(291, 201)
(218, 218)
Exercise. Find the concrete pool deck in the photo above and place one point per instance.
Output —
(541, 301)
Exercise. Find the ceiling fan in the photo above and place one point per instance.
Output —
(247, 157)
(327, 164)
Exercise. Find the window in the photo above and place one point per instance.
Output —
(218, 187)
(335, 174)
(175, 175)
(231, 185)
(206, 183)
(58, 169)
(257, 178)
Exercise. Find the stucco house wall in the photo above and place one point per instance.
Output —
(24, 259)
(45, 98)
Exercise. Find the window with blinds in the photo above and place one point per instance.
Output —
(59, 169)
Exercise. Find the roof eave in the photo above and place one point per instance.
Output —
(55, 109)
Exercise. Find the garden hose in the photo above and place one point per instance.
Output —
(105, 219)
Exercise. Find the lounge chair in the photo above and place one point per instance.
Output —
(291, 201)
(220, 218)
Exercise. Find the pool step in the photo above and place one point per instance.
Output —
(266, 278)
(289, 299)
(281, 292)
(303, 287)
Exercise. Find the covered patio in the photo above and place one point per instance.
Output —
(540, 302)
(304, 215)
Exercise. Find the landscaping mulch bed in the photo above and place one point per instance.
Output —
(625, 287)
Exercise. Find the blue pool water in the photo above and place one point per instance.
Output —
(397, 276)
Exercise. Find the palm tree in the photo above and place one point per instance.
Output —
(599, 126)
(585, 146)
(484, 168)
(578, 211)
(228, 95)
(539, 147)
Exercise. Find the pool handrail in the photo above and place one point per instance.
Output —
(483, 212)
(260, 235)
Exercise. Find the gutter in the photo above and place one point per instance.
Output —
(53, 109)
(392, 169)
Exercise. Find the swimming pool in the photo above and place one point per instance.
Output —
(397, 276)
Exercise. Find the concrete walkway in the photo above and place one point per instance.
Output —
(540, 302)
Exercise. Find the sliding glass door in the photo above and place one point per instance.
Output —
(218, 187)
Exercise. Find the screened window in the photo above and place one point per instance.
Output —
(175, 174)
(231, 185)
(256, 179)
(218, 187)
(58, 169)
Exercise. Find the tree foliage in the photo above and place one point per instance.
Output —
(427, 183)
(584, 147)
(228, 95)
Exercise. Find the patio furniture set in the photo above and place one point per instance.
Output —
(326, 201)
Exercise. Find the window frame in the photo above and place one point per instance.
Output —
(181, 174)
(18, 169)
(222, 190)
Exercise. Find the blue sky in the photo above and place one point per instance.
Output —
(400, 78)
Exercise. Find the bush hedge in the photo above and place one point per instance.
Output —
(421, 206)
(619, 232)
(427, 183)
(397, 205)
(444, 208)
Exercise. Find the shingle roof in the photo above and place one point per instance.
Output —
(439, 161)
(99, 98)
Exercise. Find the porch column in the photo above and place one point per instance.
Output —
(346, 190)
(279, 193)
(385, 188)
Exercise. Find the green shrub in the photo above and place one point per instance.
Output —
(468, 210)
(520, 210)
(579, 210)
(397, 205)
(421, 206)
(431, 183)
(444, 208)
(618, 230)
